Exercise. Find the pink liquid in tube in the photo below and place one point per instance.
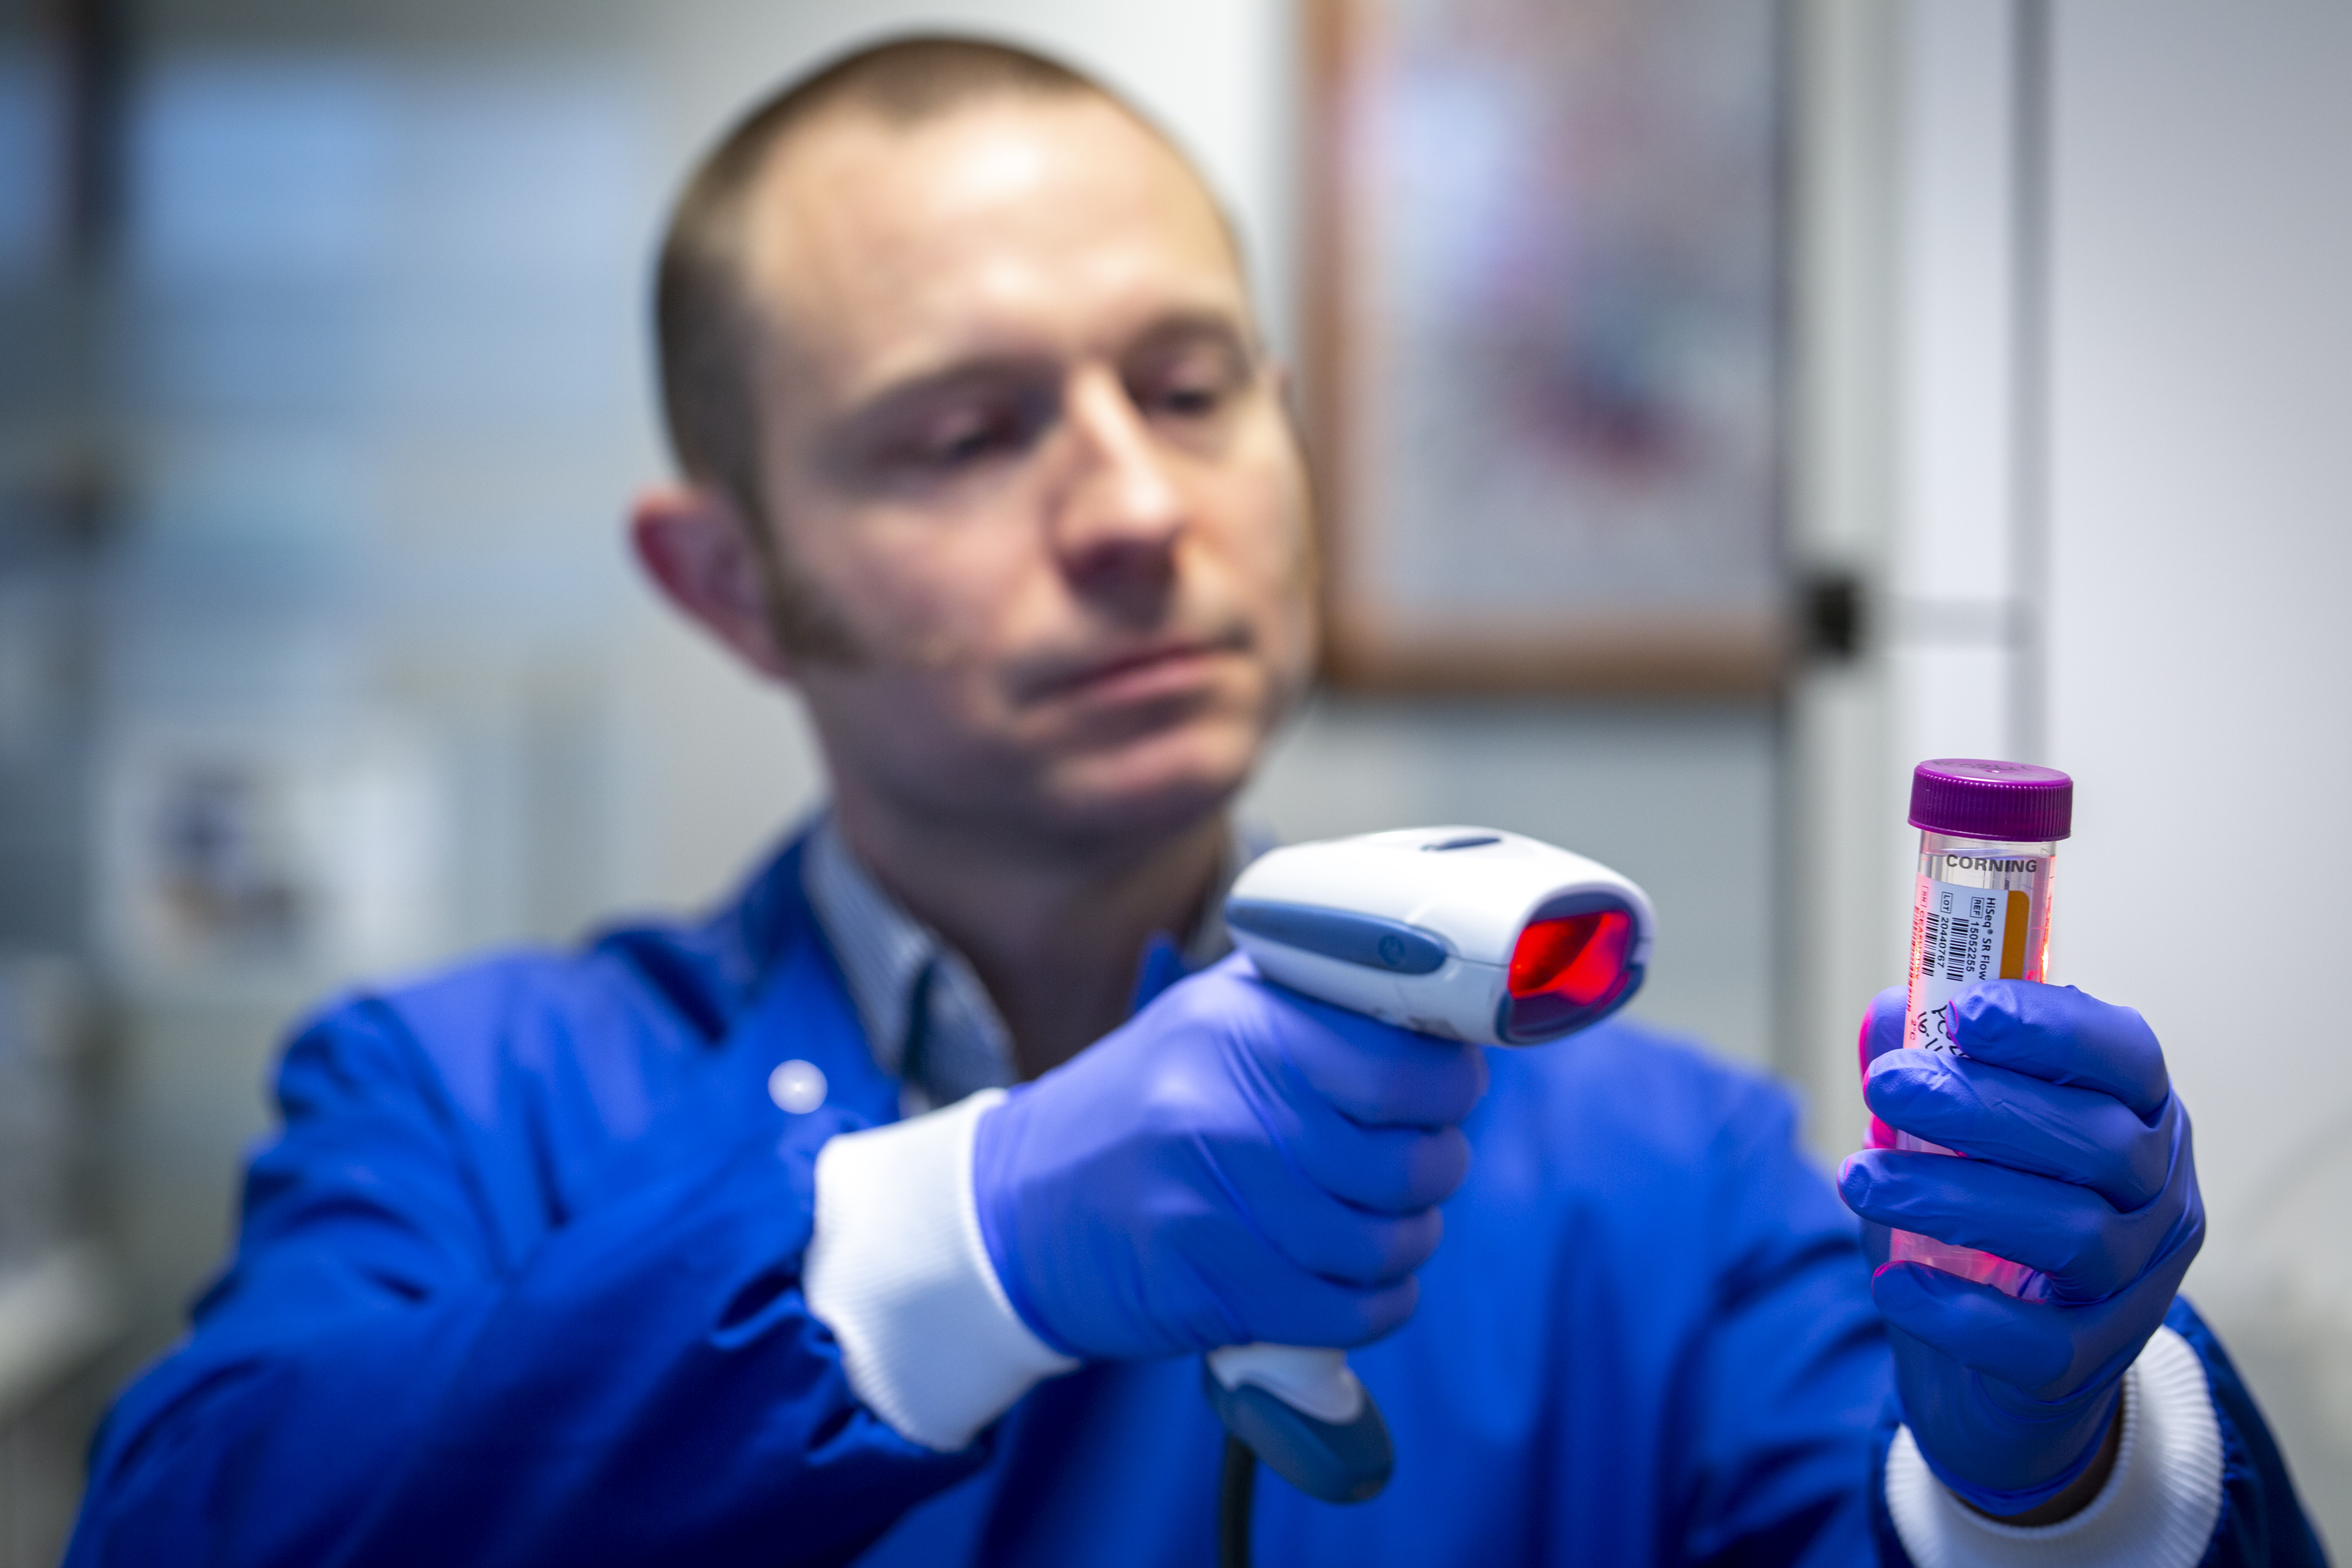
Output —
(1988, 835)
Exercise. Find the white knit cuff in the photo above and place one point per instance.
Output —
(898, 1271)
(2159, 1509)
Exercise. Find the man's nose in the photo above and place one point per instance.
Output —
(1123, 509)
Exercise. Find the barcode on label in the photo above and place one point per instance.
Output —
(1961, 935)
(1968, 941)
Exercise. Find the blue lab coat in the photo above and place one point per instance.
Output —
(519, 1284)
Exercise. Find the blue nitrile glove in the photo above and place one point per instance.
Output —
(2080, 1167)
(1235, 1163)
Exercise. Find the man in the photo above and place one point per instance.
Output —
(726, 1243)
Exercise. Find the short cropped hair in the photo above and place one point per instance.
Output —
(706, 323)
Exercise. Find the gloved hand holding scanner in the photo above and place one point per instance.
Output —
(1463, 933)
(1236, 1163)
(1251, 1167)
(2022, 1283)
(1250, 1160)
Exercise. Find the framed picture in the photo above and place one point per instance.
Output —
(1544, 342)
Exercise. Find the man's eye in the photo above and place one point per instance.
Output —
(958, 443)
(1190, 399)
(963, 445)
(1188, 391)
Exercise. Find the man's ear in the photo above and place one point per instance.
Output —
(697, 546)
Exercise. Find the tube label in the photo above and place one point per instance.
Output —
(1961, 935)
(1989, 922)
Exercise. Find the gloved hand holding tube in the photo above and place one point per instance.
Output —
(2080, 1167)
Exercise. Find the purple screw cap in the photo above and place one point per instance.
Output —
(1977, 799)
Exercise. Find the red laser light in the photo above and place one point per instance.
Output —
(1580, 957)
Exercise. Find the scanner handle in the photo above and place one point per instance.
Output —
(1305, 1414)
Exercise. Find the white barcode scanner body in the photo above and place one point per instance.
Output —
(1467, 932)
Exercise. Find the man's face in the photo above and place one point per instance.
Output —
(1024, 454)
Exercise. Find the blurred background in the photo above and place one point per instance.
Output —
(324, 382)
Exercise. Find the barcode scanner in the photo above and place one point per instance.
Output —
(1470, 933)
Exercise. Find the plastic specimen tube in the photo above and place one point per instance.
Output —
(1988, 835)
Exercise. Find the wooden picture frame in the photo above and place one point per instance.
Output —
(1543, 344)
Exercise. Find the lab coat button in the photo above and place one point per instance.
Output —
(797, 1085)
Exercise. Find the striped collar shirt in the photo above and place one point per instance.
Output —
(928, 1020)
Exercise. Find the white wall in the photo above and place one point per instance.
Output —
(2201, 675)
